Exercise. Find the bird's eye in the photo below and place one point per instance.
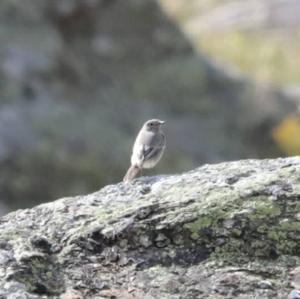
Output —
(151, 124)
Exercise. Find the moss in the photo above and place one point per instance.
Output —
(49, 275)
(276, 235)
(11, 235)
(288, 260)
(290, 226)
(236, 232)
(281, 241)
(257, 210)
(198, 225)
(262, 207)
(259, 248)
(230, 253)
(292, 207)
(102, 214)
(286, 246)
(117, 210)
(263, 228)
(41, 275)
(271, 210)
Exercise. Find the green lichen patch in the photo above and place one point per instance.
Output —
(40, 276)
(197, 226)
(290, 226)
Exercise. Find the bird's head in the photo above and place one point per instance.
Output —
(153, 125)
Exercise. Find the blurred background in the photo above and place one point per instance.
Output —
(79, 77)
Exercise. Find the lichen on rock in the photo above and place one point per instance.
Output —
(229, 230)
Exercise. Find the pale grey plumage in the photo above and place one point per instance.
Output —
(148, 148)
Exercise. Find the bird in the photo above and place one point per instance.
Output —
(148, 148)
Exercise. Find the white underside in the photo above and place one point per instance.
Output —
(148, 163)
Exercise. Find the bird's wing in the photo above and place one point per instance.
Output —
(154, 147)
(149, 152)
(143, 153)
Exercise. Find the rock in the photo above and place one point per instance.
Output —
(41, 243)
(103, 247)
(71, 294)
(294, 294)
(265, 284)
(295, 278)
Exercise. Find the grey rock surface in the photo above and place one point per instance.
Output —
(228, 230)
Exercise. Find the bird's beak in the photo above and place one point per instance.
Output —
(162, 122)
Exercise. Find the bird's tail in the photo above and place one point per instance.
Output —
(131, 173)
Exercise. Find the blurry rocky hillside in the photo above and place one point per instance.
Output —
(78, 78)
(260, 38)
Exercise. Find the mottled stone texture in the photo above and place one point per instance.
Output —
(229, 230)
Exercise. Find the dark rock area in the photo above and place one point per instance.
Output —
(228, 230)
